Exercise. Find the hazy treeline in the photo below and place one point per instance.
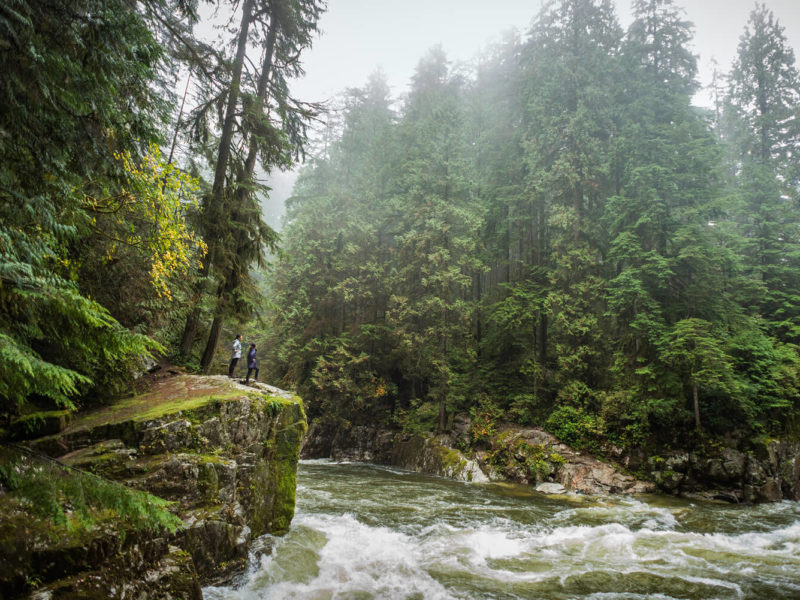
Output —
(558, 236)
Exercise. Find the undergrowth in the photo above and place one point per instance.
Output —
(78, 500)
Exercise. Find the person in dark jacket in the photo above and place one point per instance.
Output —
(252, 364)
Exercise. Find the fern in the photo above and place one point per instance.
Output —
(78, 500)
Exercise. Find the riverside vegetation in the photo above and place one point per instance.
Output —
(557, 236)
(553, 238)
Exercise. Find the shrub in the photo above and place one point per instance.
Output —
(576, 428)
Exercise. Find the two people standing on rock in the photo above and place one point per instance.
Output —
(252, 360)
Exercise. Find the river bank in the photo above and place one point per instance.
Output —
(766, 470)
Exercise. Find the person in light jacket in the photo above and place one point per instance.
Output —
(237, 354)
(252, 364)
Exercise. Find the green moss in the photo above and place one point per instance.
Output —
(452, 460)
(535, 462)
(190, 396)
(505, 437)
(209, 459)
(39, 424)
(286, 450)
(78, 501)
(284, 501)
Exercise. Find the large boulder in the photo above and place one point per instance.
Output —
(534, 456)
(225, 454)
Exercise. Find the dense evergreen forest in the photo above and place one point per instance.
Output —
(556, 236)
(113, 244)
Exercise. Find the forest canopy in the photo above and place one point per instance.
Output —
(556, 236)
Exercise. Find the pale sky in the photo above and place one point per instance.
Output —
(359, 36)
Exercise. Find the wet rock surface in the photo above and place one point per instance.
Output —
(768, 471)
(528, 456)
(226, 455)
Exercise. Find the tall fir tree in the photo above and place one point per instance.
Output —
(572, 70)
(762, 103)
(431, 308)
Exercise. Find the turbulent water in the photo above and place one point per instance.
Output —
(363, 532)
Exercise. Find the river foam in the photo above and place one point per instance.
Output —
(366, 533)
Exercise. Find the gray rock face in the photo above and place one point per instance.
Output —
(768, 472)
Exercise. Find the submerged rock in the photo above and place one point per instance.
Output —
(551, 488)
(225, 454)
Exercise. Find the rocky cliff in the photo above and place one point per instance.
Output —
(766, 471)
(224, 454)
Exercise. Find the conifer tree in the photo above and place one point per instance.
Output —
(262, 123)
(430, 311)
(763, 104)
(572, 70)
(331, 282)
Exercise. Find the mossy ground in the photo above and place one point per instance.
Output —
(178, 394)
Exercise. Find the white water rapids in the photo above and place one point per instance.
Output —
(363, 532)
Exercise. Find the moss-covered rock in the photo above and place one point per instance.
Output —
(39, 424)
(225, 454)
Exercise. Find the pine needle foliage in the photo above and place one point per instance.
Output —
(556, 230)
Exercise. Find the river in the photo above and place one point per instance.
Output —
(363, 532)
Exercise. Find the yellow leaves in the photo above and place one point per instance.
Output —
(149, 216)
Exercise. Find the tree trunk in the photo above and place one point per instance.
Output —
(226, 137)
(190, 331)
(193, 318)
(542, 338)
(442, 416)
(242, 192)
(696, 406)
(223, 291)
(211, 345)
